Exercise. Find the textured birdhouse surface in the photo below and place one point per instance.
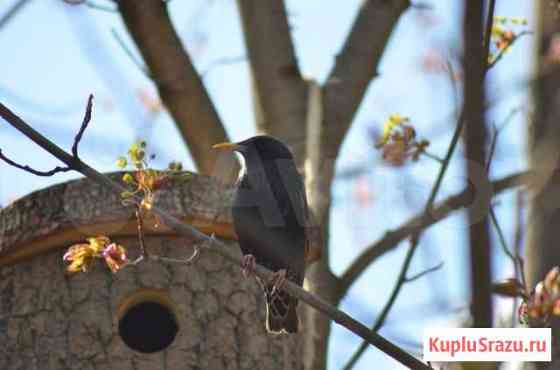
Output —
(154, 315)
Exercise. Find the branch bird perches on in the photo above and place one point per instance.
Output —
(215, 246)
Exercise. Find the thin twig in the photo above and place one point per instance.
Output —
(26, 168)
(363, 261)
(517, 272)
(488, 33)
(91, 5)
(508, 118)
(57, 169)
(433, 156)
(514, 255)
(137, 62)
(103, 8)
(85, 122)
(495, 134)
(453, 82)
(415, 236)
(505, 50)
(425, 272)
(501, 236)
(518, 239)
(421, 221)
(193, 257)
(223, 62)
(140, 223)
(414, 239)
(218, 247)
(9, 15)
(401, 280)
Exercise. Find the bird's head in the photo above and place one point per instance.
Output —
(263, 147)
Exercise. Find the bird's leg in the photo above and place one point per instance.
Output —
(248, 265)
(278, 280)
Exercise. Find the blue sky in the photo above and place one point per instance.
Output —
(61, 53)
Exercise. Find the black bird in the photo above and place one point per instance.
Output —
(270, 213)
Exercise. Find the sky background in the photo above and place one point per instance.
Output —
(56, 54)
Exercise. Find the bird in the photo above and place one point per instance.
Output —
(270, 214)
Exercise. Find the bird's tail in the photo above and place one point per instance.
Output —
(281, 314)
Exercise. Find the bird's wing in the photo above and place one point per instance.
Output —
(313, 235)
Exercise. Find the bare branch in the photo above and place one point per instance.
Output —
(518, 239)
(356, 64)
(223, 62)
(9, 15)
(178, 83)
(401, 281)
(85, 122)
(425, 272)
(514, 255)
(475, 66)
(488, 30)
(218, 247)
(502, 52)
(26, 168)
(87, 117)
(391, 239)
(92, 5)
(130, 54)
(496, 133)
(414, 240)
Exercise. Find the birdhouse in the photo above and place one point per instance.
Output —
(152, 315)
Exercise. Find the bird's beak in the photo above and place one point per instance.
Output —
(228, 146)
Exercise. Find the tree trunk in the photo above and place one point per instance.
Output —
(475, 152)
(542, 252)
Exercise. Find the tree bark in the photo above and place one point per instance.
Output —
(178, 83)
(356, 65)
(280, 90)
(475, 143)
(542, 252)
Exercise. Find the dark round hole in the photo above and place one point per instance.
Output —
(148, 327)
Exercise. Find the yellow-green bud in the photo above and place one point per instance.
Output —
(121, 162)
(127, 178)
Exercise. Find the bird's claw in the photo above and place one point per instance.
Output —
(278, 280)
(248, 265)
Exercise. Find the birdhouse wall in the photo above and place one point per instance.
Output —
(52, 320)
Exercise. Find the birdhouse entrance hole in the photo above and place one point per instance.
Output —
(147, 321)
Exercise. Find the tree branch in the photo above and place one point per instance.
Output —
(475, 153)
(414, 237)
(178, 83)
(488, 30)
(391, 239)
(57, 169)
(280, 89)
(85, 122)
(356, 64)
(92, 5)
(9, 15)
(424, 273)
(31, 170)
(401, 280)
(218, 247)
